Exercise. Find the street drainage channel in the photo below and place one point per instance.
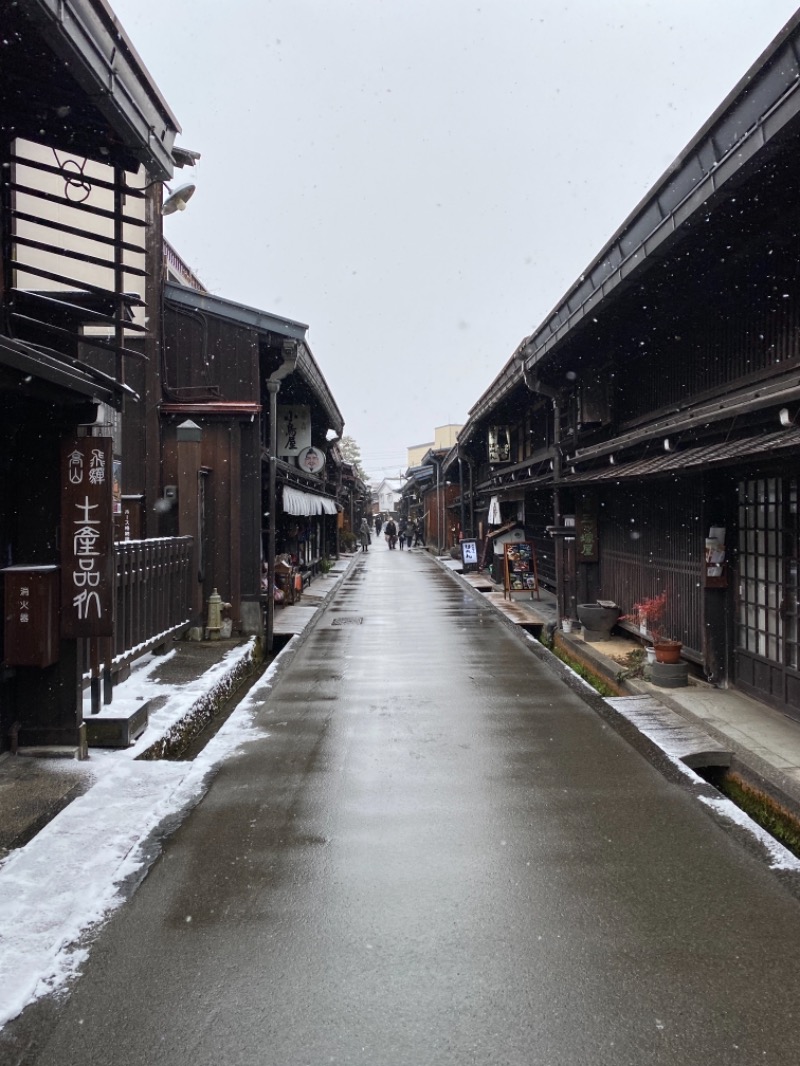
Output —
(198, 737)
(773, 815)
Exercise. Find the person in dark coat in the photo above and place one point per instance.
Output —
(391, 533)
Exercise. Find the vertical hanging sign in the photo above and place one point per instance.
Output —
(586, 523)
(294, 429)
(87, 542)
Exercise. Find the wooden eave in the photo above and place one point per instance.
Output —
(750, 125)
(75, 53)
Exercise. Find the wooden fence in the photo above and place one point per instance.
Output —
(153, 579)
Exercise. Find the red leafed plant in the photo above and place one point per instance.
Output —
(650, 614)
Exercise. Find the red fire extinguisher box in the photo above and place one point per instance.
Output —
(31, 601)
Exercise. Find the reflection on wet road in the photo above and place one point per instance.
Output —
(438, 855)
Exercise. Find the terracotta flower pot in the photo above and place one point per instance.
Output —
(668, 651)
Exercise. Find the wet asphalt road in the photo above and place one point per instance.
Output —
(439, 855)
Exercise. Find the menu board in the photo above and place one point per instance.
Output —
(519, 569)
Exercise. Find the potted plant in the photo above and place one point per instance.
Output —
(648, 614)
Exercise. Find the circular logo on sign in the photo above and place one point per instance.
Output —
(311, 460)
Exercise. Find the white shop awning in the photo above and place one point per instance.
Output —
(306, 503)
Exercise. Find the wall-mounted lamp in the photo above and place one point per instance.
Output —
(785, 417)
(178, 198)
(669, 445)
(612, 460)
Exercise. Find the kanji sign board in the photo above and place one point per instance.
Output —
(87, 541)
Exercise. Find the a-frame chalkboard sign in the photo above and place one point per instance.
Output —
(520, 573)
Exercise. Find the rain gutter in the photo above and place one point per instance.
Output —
(88, 38)
(261, 321)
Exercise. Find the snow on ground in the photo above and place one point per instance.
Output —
(65, 881)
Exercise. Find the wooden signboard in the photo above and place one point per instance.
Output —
(586, 530)
(87, 538)
(520, 573)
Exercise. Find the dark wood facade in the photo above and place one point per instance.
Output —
(660, 400)
(82, 127)
(218, 357)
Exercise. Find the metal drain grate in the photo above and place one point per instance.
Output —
(347, 621)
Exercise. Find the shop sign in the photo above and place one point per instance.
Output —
(312, 460)
(469, 555)
(87, 542)
(499, 444)
(294, 428)
(586, 530)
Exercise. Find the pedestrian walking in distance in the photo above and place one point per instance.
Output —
(391, 533)
(378, 524)
(365, 535)
(401, 533)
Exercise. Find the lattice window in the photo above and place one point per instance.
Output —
(761, 585)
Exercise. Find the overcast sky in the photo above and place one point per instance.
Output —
(420, 181)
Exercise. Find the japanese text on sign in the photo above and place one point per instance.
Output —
(294, 428)
(587, 536)
(87, 548)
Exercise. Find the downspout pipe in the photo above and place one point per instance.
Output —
(534, 384)
(289, 354)
(461, 495)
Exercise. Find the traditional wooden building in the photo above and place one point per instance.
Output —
(504, 465)
(428, 496)
(661, 398)
(221, 360)
(86, 141)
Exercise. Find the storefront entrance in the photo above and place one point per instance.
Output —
(767, 653)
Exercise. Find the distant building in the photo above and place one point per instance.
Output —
(386, 496)
(444, 437)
